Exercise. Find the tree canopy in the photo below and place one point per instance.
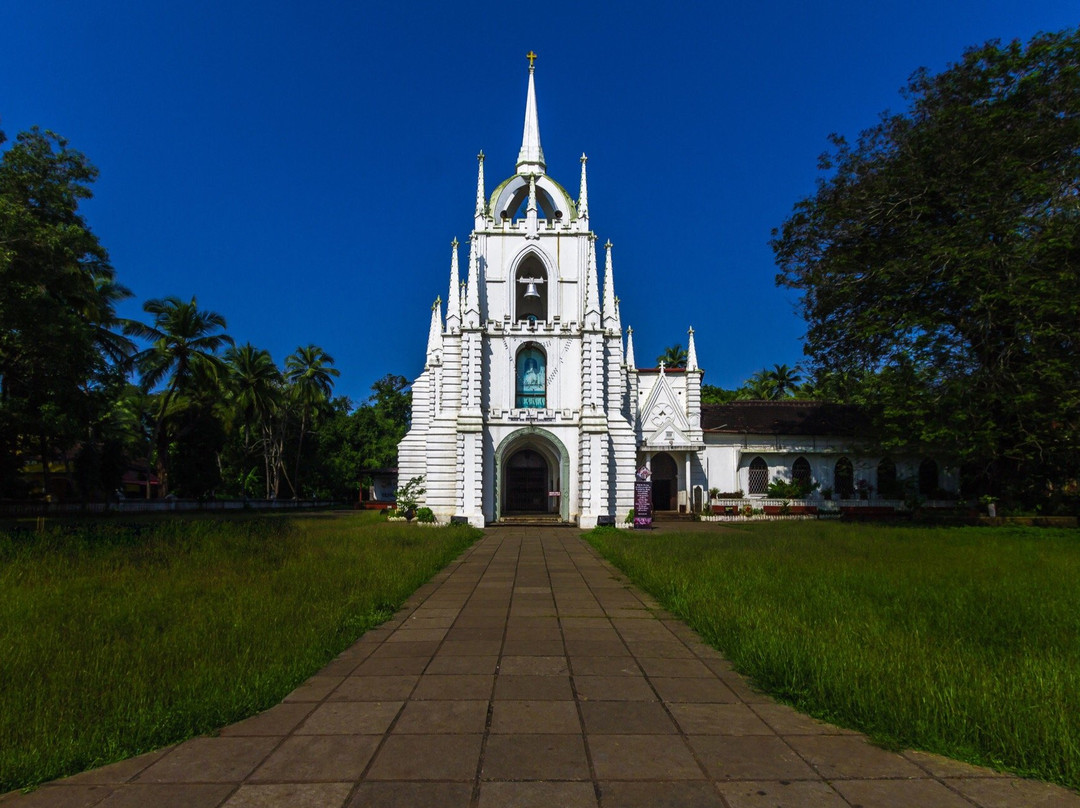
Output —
(939, 263)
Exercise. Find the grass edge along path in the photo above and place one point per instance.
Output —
(119, 638)
(964, 642)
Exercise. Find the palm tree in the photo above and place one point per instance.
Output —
(784, 380)
(256, 385)
(673, 357)
(183, 341)
(311, 373)
(758, 387)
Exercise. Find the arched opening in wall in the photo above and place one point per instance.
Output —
(888, 485)
(530, 382)
(928, 478)
(758, 477)
(801, 475)
(530, 290)
(527, 483)
(518, 206)
(665, 483)
(844, 479)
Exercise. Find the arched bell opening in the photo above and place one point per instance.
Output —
(531, 290)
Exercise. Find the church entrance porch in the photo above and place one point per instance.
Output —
(665, 483)
(526, 483)
(532, 468)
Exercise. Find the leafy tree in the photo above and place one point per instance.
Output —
(711, 394)
(940, 259)
(184, 346)
(311, 374)
(58, 339)
(674, 356)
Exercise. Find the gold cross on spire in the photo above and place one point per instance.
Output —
(531, 56)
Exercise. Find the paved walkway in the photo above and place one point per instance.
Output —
(529, 673)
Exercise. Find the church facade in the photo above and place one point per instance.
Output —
(530, 401)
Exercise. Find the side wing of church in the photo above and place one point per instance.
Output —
(530, 403)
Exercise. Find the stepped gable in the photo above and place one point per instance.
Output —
(790, 417)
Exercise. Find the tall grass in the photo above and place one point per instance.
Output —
(961, 641)
(119, 638)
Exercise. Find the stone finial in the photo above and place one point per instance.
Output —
(472, 288)
(481, 198)
(453, 298)
(691, 352)
(611, 309)
(531, 157)
(592, 302)
(583, 194)
(630, 363)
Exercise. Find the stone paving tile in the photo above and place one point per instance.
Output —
(558, 717)
(699, 690)
(411, 795)
(279, 720)
(447, 663)
(642, 757)
(434, 717)
(535, 757)
(351, 718)
(125, 770)
(750, 757)
(660, 795)
(627, 718)
(939, 766)
(899, 794)
(392, 666)
(851, 756)
(315, 689)
(534, 665)
(605, 666)
(374, 688)
(405, 649)
(427, 757)
(294, 795)
(209, 760)
(518, 688)
(787, 721)
(718, 719)
(537, 795)
(613, 688)
(313, 758)
(454, 686)
(786, 794)
(187, 795)
(1010, 793)
(58, 796)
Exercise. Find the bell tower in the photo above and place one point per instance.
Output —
(523, 408)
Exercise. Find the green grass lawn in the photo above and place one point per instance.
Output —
(120, 637)
(962, 641)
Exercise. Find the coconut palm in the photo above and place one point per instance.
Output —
(184, 341)
(784, 380)
(673, 357)
(258, 396)
(311, 373)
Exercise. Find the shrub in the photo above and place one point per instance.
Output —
(425, 515)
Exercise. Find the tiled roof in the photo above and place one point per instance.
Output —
(788, 417)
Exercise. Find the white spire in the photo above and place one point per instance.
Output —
(481, 200)
(434, 340)
(583, 194)
(592, 302)
(531, 156)
(472, 289)
(453, 298)
(630, 348)
(691, 353)
(611, 309)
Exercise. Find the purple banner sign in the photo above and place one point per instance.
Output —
(642, 500)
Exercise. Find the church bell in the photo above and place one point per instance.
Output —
(531, 290)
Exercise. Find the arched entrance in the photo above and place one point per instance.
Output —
(665, 483)
(532, 475)
(527, 483)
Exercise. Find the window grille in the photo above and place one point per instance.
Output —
(759, 476)
(800, 473)
(844, 479)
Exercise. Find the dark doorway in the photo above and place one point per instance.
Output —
(527, 483)
(665, 483)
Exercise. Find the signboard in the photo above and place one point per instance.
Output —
(642, 499)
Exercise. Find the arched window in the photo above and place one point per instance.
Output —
(531, 384)
(887, 485)
(530, 290)
(758, 481)
(844, 479)
(801, 476)
(928, 478)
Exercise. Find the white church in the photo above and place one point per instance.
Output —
(531, 403)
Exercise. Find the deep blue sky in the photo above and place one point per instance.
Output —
(301, 167)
